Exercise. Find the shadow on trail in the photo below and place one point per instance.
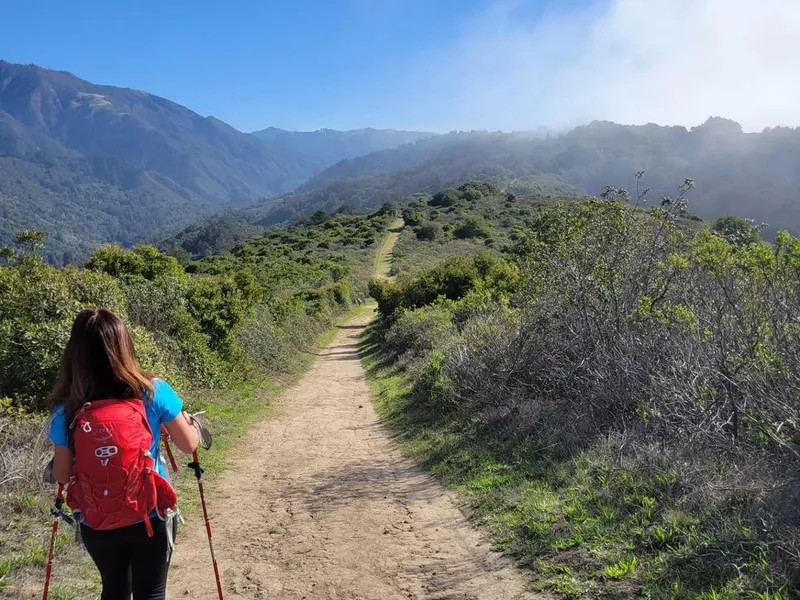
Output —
(366, 480)
(404, 490)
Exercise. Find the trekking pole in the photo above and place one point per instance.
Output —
(198, 473)
(57, 515)
(173, 463)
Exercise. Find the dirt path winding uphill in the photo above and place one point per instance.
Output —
(320, 503)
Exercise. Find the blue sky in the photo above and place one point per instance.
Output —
(298, 64)
(428, 64)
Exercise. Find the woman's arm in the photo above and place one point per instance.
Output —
(62, 464)
(183, 433)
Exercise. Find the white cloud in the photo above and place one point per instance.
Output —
(630, 61)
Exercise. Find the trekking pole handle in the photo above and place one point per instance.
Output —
(195, 465)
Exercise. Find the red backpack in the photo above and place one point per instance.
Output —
(115, 483)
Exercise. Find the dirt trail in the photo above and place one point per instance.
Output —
(320, 503)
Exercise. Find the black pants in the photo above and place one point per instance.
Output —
(129, 561)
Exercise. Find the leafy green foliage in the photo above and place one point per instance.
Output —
(453, 279)
(430, 232)
(737, 230)
(473, 227)
(142, 261)
(448, 197)
(199, 329)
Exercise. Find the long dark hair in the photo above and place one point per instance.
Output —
(99, 363)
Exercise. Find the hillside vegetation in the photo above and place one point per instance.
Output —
(223, 331)
(753, 175)
(93, 163)
(614, 391)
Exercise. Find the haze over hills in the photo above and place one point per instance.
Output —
(755, 175)
(329, 146)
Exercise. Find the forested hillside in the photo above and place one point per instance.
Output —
(611, 388)
(329, 146)
(754, 175)
(93, 164)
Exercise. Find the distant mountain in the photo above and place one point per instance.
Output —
(754, 175)
(329, 146)
(94, 163)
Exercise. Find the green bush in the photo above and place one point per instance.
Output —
(452, 279)
(473, 227)
(413, 216)
(448, 197)
(737, 230)
(198, 328)
(36, 313)
(417, 332)
(430, 232)
(145, 261)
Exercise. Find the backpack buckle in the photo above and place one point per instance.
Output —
(106, 451)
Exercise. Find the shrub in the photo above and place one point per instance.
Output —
(447, 197)
(452, 279)
(39, 304)
(429, 232)
(417, 332)
(473, 227)
(737, 230)
(144, 261)
(413, 216)
(652, 367)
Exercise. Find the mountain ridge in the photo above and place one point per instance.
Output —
(330, 146)
(754, 175)
(60, 133)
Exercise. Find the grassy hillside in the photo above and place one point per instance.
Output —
(612, 392)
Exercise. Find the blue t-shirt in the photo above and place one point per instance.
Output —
(165, 406)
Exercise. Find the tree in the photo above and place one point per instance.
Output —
(157, 264)
(143, 261)
(31, 241)
(318, 217)
(737, 230)
(473, 227)
(447, 197)
(389, 209)
(8, 255)
(116, 261)
(413, 216)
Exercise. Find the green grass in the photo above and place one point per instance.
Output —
(381, 257)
